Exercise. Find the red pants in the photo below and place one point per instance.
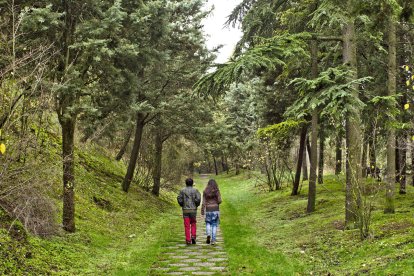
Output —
(190, 226)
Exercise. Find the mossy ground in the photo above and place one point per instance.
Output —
(269, 233)
(265, 233)
(117, 233)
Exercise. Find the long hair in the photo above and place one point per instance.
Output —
(212, 188)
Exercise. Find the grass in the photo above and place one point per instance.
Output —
(269, 233)
(117, 233)
(266, 233)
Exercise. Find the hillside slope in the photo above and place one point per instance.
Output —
(116, 231)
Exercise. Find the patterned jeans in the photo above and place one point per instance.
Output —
(212, 220)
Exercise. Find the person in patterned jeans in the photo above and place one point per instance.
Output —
(210, 208)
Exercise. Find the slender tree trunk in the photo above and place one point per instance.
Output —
(157, 162)
(314, 136)
(223, 164)
(392, 87)
(209, 164)
(308, 148)
(124, 144)
(139, 127)
(321, 156)
(215, 165)
(305, 164)
(372, 139)
(338, 153)
(412, 161)
(353, 132)
(364, 155)
(68, 140)
(403, 164)
(67, 121)
(397, 160)
(302, 141)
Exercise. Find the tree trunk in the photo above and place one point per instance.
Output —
(403, 164)
(412, 161)
(237, 168)
(67, 120)
(397, 160)
(302, 141)
(308, 148)
(124, 145)
(139, 127)
(215, 165)
(321, 156)
(353, 132)
(68, 139)
(305, 164)
(157, 162)
(314, 136)
(338, 153)
(223, 164)
(372, 142)
(209, 164)
(392, 87)
(364, 155)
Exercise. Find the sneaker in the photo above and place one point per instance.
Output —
(193, 240)
(208, 240)
(213, 242)
(188, 242)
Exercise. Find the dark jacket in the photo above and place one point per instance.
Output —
(210, 203)
(189, 199)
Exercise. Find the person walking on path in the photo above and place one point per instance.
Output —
(189, 199)
(210, 208)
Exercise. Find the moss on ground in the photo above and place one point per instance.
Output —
(269, 233)
(117, 233)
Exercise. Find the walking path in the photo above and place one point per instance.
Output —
(177, 258)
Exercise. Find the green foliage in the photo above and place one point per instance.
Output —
(331, 93)
(386, 107)
(267, 55)
(281, 131)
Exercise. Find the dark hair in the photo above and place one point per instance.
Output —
(212, 188)
(189, 182)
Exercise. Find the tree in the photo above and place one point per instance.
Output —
(392, 72)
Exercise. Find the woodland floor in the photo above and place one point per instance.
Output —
(262, 233)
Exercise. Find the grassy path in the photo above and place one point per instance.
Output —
(237, 251)
(262, 233)
(246, 254)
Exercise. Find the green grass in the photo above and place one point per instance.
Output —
(269, 233)
(121, 237)
(266, 233)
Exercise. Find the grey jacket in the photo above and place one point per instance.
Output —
(189, 199)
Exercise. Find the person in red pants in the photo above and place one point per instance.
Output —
(189, 199)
